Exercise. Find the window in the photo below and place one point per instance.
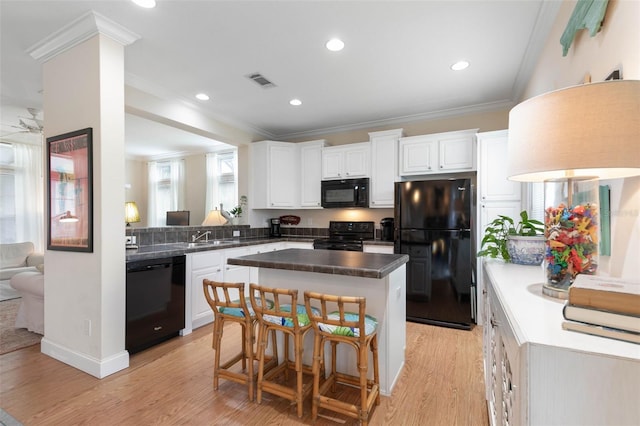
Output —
(166, 189)
(21, 194)
(222, 180)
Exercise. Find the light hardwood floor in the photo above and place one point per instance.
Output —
(171, 384)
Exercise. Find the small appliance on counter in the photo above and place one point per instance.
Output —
(386, 229)
(274, 227)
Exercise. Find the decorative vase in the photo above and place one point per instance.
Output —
(572, 232)
(526, 250)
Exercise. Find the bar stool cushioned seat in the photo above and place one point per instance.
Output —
(356, 329)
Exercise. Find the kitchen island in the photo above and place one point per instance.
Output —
(378, 277)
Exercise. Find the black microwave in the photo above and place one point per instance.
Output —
(345, 193)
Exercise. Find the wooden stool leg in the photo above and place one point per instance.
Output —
(363, 362)
(334, 346)
(286, 354)
(376, 370)
(247, 354)
(217, 339)
(317, 365)
(261, 346)
(299, 385)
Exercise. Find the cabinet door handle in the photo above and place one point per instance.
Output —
(494, 323)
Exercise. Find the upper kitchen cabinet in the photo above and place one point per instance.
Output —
(275, 175)
(310, 173)
(492, 170)
(438, 153)
(346, 161)
(384, 167)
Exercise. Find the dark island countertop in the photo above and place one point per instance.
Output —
(352, 263)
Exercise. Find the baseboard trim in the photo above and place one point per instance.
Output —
(99, 368)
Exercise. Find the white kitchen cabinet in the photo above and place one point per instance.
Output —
(346, 161)
(384, 167)
(275, 175)
(310, 173)
(493, 181)
(447, 152)
(299, 245)
(200, 266)
(497, 195)
(237, 273)
(376, 248)
(539, 374)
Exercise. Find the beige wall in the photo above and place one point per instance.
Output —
(617, 45)
(485, 121)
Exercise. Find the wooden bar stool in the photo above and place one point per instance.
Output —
(291, 319)
(335, 324)
(229, 304)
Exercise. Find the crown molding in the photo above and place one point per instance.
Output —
(435, 115)
(78, 31)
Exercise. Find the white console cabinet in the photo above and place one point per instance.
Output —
(536, 373)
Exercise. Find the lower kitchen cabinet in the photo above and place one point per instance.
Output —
(375, 248)
(200, 266)
(536, 373)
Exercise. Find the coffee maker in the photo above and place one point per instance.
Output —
(274, 227)
(386, 229)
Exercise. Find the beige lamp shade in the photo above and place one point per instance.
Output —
(131, 214)
(68, 217)
(588, 130)
(214, 218)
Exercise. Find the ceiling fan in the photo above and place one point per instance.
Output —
(31, 124)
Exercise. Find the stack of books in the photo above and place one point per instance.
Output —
(603, 306)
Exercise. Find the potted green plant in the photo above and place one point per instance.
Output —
(521, 243)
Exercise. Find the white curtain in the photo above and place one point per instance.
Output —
(166, 189)
(211, 198)
(29, 194)
(222, 180)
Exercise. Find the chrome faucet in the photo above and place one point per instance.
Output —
(198, 235)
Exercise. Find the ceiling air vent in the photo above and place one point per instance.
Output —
(261, 80)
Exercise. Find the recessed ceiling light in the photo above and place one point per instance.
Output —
(335, 45)
(295, 102)
(202, 96)
(145, 3)
(460, 65)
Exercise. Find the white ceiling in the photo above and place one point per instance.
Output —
(394, 68)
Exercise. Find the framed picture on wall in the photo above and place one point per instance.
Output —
(70, 191)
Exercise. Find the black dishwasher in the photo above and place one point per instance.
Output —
(155, 301)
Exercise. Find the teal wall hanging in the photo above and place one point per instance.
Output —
(588, 14)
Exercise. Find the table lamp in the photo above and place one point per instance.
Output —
(569, 139)
(131, 215)
(214, 218)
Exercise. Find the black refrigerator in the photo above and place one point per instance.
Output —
(433, 225)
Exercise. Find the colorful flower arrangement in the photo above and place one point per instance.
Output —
(572, 243)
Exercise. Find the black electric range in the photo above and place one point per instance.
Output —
(348, 236)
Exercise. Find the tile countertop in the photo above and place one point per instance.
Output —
(352, 263)
(177, 249)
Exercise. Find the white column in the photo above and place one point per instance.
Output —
(85, 292)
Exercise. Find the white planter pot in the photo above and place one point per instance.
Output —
(526, 250)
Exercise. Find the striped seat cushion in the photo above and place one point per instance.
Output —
(303, 318)
(370, 325)
(238, 312)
